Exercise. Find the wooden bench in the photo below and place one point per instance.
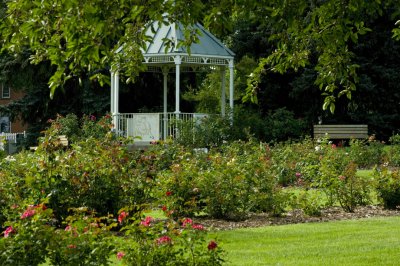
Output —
(62, 139)
(341, 131)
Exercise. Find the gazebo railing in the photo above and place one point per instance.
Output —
(152, 126)
(12, 137)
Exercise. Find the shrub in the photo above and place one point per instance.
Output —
(228, 182)
(340, 182)
(294, 162)
(88, 127)
(281, 125)
(284, 161)
(393, 151)
(84, 240)
(26, 236)
(308, 161)
(208, 131)
(388, 187)
(179, 189)
(366, 153)
(310, 201)
(98, 173)
(167, 242)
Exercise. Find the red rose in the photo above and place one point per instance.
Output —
(122, 216)
(212, 245)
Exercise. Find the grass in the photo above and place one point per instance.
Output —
(358, 242)
(366, 173)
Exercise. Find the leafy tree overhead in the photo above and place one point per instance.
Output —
(85, 35)
(78, 36)
(321, 34)
(300, 46)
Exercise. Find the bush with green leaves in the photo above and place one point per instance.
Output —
(27, 234)
(89, 126)
(98, 173)
(179, 188)
(281, 125)
(295, 162)
(392, 151)
(308, 160)
(366, 153)
(340, 182)
(284, 160)
(228, 182)
(388, 186)
(392, 155)
(310, 201)
(149, 241)
(84, 239)
(207, 131)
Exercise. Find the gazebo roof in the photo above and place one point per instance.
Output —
(208, 44)
(163, 48)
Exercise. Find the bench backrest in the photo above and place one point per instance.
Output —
(341, 131)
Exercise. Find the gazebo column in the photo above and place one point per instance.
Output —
(223, 97)
(231, 88)
(115, 101)
(165, 118)
(112, 94)
(178, 61)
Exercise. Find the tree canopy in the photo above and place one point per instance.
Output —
(287, 52)
(321, 34)
(78, 36)
(84, 35)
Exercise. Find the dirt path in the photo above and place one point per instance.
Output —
(297, 216)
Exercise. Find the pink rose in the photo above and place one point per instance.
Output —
(187, 221)
(164, 240)
(120, 255)
(198, 227)
(147, 221)
(28, 213)
(8, 231)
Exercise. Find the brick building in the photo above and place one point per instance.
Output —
(8, 95)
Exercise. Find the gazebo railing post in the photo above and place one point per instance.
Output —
(112, 94)
(231, 88)
(165, 107)
(178, 61)
(223, 97)
(116, 103)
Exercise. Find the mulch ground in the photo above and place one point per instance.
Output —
(297, 216)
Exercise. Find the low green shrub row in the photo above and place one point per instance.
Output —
(31, 238)
(84, 204)
(94, 180)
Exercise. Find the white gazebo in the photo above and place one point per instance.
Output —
(160, 56)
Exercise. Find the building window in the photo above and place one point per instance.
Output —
(4, 125)
(5, 92)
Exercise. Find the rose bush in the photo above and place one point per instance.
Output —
(339, 180)
(27, 234)
(149, 241)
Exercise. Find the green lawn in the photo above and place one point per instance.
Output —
(359, 242)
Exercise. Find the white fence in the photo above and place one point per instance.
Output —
(10, 138)
(151, 126)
